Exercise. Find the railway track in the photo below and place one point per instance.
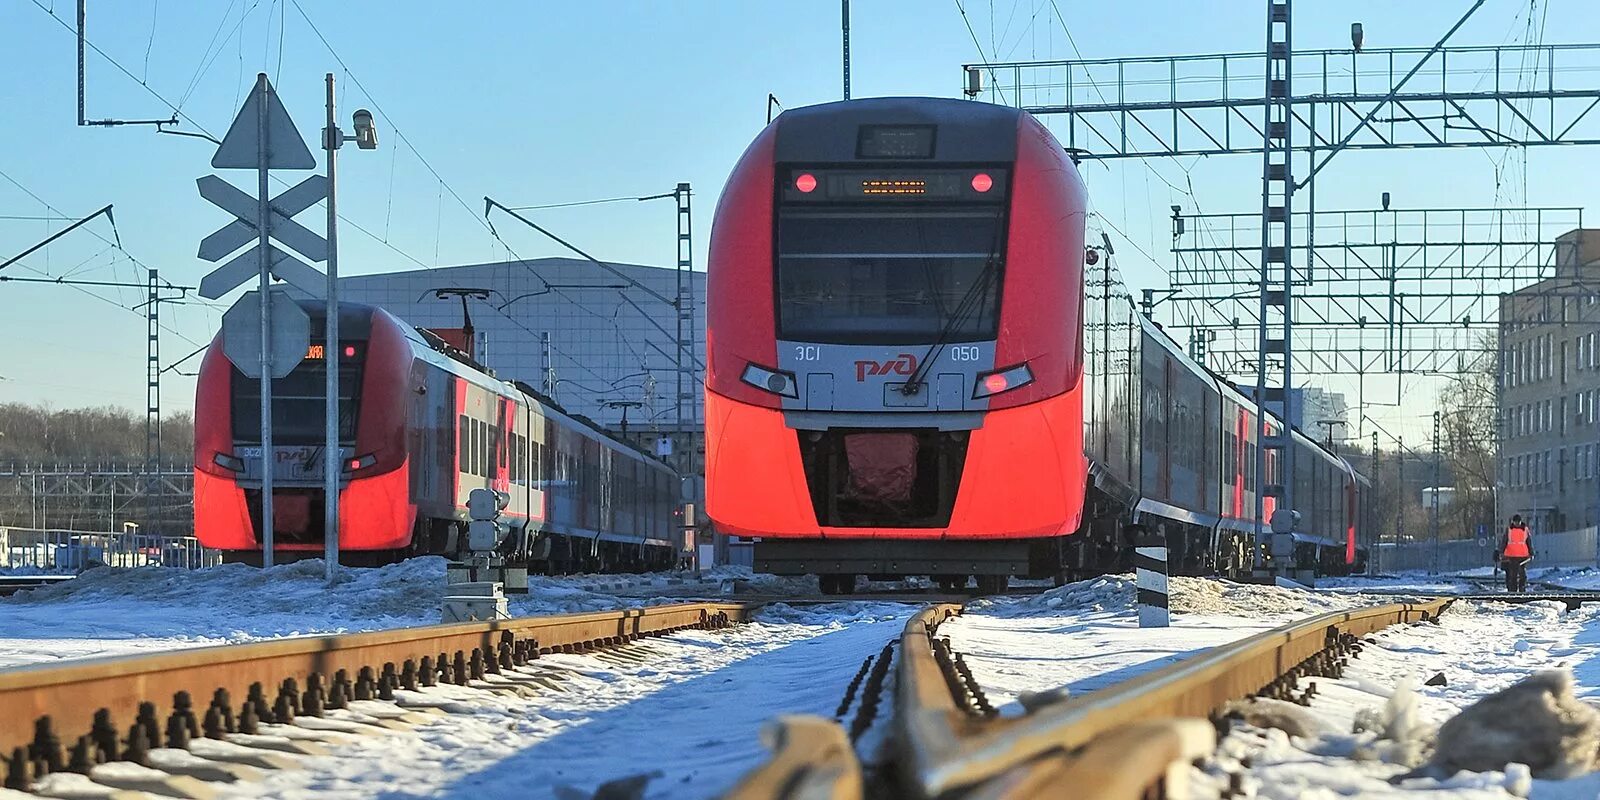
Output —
(124, 723)
(1541, 591)
(907, 596)
(1132, 740)
(11, 584)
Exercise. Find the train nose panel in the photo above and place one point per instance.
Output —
(885, 378)
(881, 468)
(819, 391)
(896, 478)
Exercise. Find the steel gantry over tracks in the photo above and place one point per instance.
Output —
(1297, 110)
(1202, 105)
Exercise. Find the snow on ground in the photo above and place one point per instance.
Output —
(688, 706)
(1459, 583)
(1569, 577)
(1419, 582)
(1086, 635)
(1480, 648)
(689, 713)
(119, 611)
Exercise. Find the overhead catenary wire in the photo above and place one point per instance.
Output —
(179, 112)
(155, 12)
(443, 184)
(1187, 190)
(115, 243)
(206, 56)
(120, 68)
(993, 76)
(210, 58)
(574, 203)
(378, 107)
(446, 186)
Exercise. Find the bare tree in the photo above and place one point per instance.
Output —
(106, 434)
(1469, 445)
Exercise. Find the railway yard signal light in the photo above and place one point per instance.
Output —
(473, 592)
(486, 531)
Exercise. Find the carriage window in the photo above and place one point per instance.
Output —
(463, 443)
(477, 448)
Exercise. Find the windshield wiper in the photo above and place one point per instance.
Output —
(971, 301)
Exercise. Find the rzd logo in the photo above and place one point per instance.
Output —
(903, 364)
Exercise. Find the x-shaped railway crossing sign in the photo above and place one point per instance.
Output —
(281, 226)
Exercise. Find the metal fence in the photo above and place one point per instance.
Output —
(97, 497)
(72, 551)
(1579, 548)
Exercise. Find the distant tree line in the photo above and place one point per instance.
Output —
(38, 434)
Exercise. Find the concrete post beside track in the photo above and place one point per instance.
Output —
(1150, 576)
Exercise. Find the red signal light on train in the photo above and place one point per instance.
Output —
(1002, 380)
(349, 351)
(981, 182)
(806, 182)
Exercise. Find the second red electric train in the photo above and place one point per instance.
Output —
(421, 426)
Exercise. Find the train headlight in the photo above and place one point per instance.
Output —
(769, 380)
(228, 462)
(1002, 380)
(354, 464)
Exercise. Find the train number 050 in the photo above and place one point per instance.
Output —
(964, 353)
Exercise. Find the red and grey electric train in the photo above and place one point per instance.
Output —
(907, 377)
(421, 426)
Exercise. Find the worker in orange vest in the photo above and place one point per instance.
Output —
(1516, 550)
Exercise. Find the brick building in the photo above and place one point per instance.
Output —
(1549, 392)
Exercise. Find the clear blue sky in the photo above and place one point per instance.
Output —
(544, 102)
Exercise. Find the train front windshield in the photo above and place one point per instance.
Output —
(298, 399)
(867, 259)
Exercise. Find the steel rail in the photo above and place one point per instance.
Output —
(1120, 742)
(65, 699)
(942, 762)
(812, 758)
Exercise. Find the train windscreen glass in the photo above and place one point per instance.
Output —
(298, 399)
(890, 258)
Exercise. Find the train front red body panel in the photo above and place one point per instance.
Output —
(740, 318)
(385, 395)
(759, 490)
(1041, 311)
(376, 513)
(221, 518)
(762, 491)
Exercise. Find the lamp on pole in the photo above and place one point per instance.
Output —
(366, 137)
